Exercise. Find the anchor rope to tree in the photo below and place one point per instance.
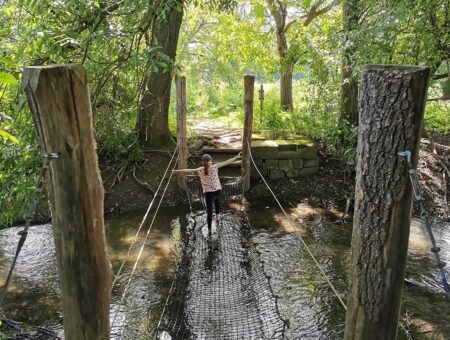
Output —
(298, 232)
(419, 198)
(143, 244)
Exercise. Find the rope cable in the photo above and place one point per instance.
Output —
(143, 221)
(165, 304)
(297, 231)
(420, 199)
(142, 247)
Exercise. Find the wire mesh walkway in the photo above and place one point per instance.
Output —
(221, 290)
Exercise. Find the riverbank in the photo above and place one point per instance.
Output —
(130, 187)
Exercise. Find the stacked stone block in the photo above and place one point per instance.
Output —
(278, 160)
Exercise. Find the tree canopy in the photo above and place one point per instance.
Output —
(306, 45)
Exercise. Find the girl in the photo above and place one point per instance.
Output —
(209, 178)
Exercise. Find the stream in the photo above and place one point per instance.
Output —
(304, 297)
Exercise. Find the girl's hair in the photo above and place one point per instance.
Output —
(205, 167)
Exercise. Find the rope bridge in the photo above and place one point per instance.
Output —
(220, 290)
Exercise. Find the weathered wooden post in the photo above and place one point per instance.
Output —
(181, 129)
(261, 101)
(249, 86)
(58, 97)
(391, 116)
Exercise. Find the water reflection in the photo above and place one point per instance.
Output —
(33, 296)
(305, 298)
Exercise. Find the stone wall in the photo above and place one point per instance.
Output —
(277, 159)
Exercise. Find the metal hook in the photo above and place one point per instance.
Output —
(406, 154)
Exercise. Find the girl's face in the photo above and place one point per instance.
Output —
(207, 163)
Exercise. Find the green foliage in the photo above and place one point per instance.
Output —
(314, 116)
(220, 41)
(437, 117)
(271, 121)
(19, 161)
(111, 39)
(446, 88)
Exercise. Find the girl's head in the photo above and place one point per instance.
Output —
(206, 161)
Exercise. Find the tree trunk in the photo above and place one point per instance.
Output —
(392, 105)
(286, 72)
(153, 119)
(59, 101)
(349, 84)
(286, 90)
(279, 13)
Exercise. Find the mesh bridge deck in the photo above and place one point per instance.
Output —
(220, 290)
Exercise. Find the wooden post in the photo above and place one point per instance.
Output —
(261, 101)
(249, 85)
(58, 97)
(181, 128)
(391, 116)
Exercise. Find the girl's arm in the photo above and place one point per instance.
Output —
(186, 171)
(229, 161)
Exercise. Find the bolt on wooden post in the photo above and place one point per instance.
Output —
(181, 129)
(391, 117)
(58, 97)
(249, 86)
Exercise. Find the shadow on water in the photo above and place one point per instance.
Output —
(304, 296)
(306, 299)
(33, 296)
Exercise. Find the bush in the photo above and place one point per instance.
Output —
(19, 169)
(437, 117)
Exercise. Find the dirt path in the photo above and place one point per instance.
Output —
(221, 134)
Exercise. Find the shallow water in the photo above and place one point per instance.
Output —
(304, 296)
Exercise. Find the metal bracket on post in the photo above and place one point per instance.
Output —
(412, 176)
(50, 155)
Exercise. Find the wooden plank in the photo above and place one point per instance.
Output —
(249, 85)
(391, 117)
(181, 129)
(58, 96)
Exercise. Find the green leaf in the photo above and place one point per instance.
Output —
(8, 79)
(7, 136)
(6, 61)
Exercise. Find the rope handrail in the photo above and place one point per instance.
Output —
(298, 232)
(143, 246)
(143, 221)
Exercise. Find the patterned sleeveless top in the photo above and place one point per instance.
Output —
(211, 181)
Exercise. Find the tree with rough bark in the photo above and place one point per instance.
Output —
(152, 124)
(285, 14)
